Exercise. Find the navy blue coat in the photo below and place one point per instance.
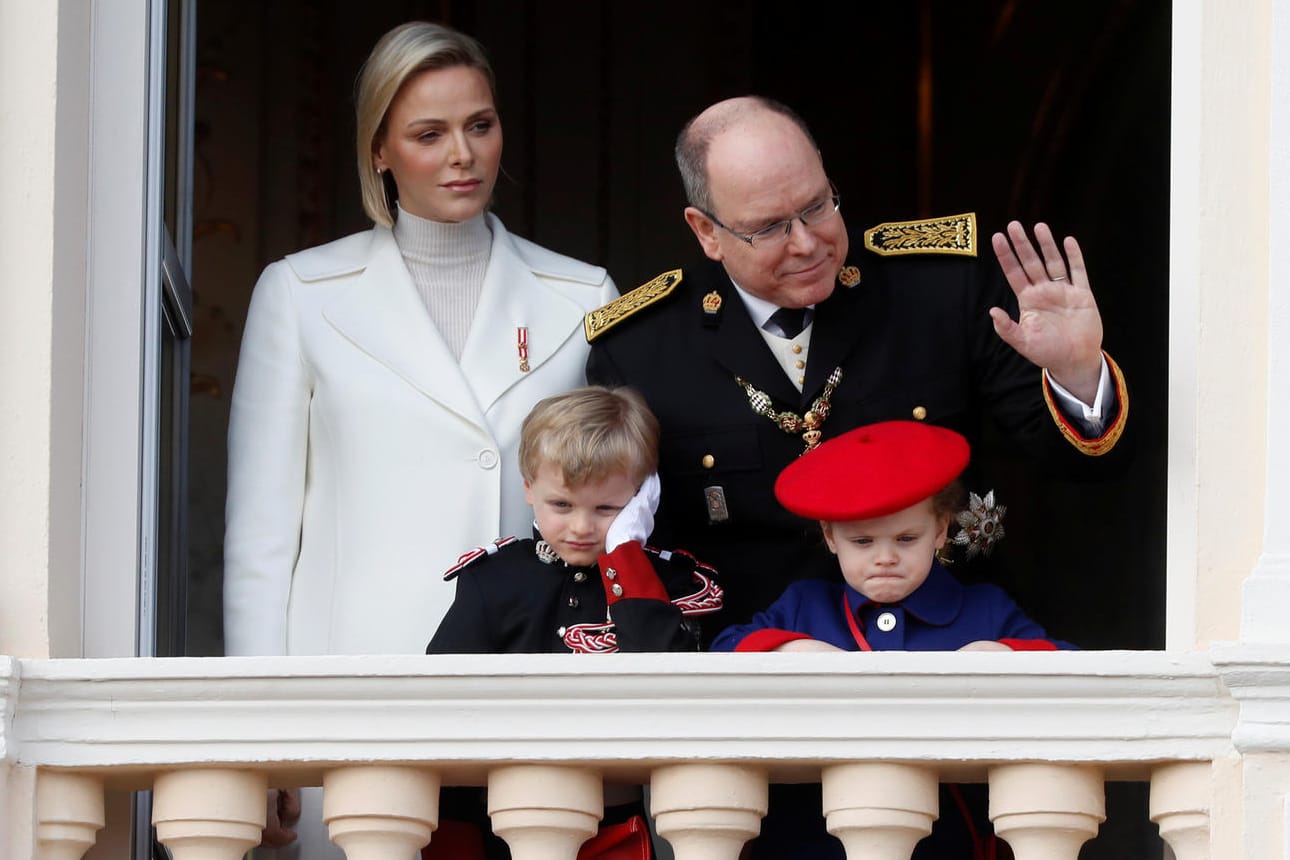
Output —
(941, 615)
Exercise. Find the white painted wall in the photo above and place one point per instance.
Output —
(44, 62)
(1218, 313)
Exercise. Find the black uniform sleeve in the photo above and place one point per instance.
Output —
(466, 628)
(639, 602)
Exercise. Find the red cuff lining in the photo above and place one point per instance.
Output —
(768, 640)
(1029, 644)
(633, 575)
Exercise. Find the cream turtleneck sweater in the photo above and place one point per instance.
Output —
(447, 263)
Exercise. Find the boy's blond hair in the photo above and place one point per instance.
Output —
(589, 433)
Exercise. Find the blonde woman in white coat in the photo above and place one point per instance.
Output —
(383, 377)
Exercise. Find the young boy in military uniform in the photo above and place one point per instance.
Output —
(585, 582)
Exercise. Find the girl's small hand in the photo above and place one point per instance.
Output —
(985, 645)
(807, 645)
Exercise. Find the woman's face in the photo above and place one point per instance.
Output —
(442, 144)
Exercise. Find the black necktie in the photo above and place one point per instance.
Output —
(790, 321)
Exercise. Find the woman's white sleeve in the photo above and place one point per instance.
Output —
(267, 449)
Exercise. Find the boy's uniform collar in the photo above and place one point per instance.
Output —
(547, 554)
(937, 601)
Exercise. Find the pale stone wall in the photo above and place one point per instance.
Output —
(44, 57)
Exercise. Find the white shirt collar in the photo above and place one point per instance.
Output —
(759, 310)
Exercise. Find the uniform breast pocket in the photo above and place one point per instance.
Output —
(706, 474)
(943, 399)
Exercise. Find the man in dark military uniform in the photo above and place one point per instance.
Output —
(790, 334)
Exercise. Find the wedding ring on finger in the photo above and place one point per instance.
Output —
(1057, 277)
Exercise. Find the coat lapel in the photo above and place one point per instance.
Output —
(513, 298)
(382, 314)
(737, 344)
(838, 331)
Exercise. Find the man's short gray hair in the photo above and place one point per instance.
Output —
(697, 135)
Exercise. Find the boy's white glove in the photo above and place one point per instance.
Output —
(636, 520)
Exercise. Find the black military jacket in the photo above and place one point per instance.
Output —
(913, 339)
(512, 602)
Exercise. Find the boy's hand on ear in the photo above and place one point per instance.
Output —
(636, 520)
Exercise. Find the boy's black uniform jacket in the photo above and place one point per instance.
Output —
(914, 340)
(510, 601)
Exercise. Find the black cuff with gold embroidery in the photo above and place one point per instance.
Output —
(1102, 444)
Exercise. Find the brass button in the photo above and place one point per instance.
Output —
(801, 380)
(920, 412)
(799, 364)
(709, 461)
(796, 349)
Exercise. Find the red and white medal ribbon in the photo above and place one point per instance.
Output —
(522, 347)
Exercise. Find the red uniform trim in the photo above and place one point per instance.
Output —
(627, 573)
(1104, 443)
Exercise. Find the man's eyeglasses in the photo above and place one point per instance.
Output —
(774, 235)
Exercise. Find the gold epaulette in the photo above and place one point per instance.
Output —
(1104, 443)
(953, 235)
(605, 317)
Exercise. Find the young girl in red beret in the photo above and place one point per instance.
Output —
(885, 495)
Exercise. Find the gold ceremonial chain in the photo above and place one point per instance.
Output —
(791, 422)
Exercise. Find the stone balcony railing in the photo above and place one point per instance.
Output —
(706, 732)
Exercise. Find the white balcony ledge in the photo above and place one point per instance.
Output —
(623, 714)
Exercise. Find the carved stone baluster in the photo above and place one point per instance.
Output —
(1046, 811)
(1180, 806)
(544, 812)
(69, 813)
(879, 810)
(380, 811)
(707, 811)
(209, 813)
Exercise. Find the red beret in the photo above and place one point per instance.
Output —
(872, 471)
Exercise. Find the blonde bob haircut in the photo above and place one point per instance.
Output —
(589, 434)
(401, 54)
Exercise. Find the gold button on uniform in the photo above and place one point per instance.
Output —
(796, 349)
(709, 461)
(920, 412)
(799, 364)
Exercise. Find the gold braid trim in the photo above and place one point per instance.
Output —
(605, 317)
(1104, 443)
(955, 234)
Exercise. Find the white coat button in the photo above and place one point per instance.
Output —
(487, 459)
(886, 622)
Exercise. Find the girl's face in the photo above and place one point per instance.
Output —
(442, 143)
(887, 558)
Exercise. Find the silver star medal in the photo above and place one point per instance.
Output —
(981, 525)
